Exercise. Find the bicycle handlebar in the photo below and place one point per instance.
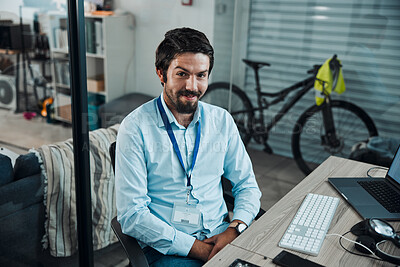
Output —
(314, 70)
(334, 64)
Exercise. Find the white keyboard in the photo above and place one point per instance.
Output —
(307, 230)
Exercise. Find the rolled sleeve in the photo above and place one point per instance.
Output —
(238, 169)
(244, 216)
(182, 244)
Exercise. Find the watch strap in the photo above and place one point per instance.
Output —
(237, 226)
(234, 224)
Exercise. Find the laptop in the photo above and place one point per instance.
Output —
(373, 197)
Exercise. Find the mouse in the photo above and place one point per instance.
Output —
(367, 241)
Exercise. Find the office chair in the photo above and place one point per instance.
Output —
(131, 246)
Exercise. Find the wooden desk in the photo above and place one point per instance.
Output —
(261, 239)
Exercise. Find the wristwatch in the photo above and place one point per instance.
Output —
(240, 227)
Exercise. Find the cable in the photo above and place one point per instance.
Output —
(352, 241)
(379, 168)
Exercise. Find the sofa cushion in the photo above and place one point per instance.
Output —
(32, 190)
(21, 233)
(26, 165)
(6, 170)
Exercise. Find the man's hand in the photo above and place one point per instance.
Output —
(200, 250)
(221, 240)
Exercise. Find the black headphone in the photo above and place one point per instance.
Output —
(374, 232)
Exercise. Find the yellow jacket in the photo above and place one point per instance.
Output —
(324, 82)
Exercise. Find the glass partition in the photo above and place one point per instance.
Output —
(34, 66)
(291, 37)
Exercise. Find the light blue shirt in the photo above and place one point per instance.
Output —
(150, 179)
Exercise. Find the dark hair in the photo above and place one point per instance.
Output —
(179, 41)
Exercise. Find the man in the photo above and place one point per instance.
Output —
(171, 154)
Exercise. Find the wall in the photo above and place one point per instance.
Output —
(228, 53)
(152, 19)
(10, 6)
(11, 10)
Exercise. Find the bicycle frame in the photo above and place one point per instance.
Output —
(263, 104)
(325, 125)
(261, 129)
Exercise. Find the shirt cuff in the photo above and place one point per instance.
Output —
(182, 244)
(244, 216)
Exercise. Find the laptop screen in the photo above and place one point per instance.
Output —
(394, 170)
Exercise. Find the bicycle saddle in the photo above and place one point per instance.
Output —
(255, 64)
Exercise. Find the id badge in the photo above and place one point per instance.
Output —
(186, 214)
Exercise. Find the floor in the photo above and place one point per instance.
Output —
(276, 175)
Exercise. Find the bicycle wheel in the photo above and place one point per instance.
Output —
(241, 108)
(352, 125)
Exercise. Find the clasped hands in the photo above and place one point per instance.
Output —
(206, 249)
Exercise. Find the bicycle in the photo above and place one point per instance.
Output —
(328, 129)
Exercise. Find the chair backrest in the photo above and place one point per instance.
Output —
(111, 150)
(130, 245)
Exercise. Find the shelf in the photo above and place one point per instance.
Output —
(65, 52)
(98, 93)
(63, 90)
(62, 119)
(107, 58)
(62, 85)
(9, 52)
(99, 16)
(95, 55)
(60, 50)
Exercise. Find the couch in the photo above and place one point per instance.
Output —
(22, 215)
(21, 212)
(22, 209)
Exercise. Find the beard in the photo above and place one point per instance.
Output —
(181, 107)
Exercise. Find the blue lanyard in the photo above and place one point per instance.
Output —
(175, 144)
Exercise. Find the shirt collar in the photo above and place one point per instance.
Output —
(171, 117)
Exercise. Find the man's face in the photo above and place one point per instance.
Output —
(187, 81)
